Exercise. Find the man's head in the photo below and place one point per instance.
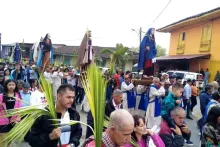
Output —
(178, 115)
(216, 95)
(156, 81)
(177, 89)
(207, 69)
(20, 84)
(26, 87)
(179, 80)
(127, 79)
(209, 88)
(215, 85)
(48, 69)
(65, 95)
(17, 66)
(121, 125)
(117, 96)
(189, 81)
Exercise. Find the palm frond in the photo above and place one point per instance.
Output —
(48, 91)
(29, 115)
(134, 143)
(95, 88)
(121, 51)
(72, 122)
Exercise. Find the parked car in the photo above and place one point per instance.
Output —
(188, 75)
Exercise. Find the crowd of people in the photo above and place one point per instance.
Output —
(149, 115)
(22, 81)
(164, 105)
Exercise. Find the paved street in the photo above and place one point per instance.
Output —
(191, 123)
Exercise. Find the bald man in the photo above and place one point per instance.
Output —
(154, 106)
(118, 133)
(129, 96)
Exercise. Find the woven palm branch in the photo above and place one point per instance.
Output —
(95, 88)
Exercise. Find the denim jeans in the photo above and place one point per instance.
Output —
(186, 105)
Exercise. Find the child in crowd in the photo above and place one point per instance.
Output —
(25, 94)
(170, 102)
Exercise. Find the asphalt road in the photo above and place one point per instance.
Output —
(190, 123)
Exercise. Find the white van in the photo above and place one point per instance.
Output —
(188, 75)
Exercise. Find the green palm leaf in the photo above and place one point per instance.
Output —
(95, 88)
(30, 114)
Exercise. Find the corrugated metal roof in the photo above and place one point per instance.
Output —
(168, 27)
(182, 57)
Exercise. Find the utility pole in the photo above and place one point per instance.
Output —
(140, 34)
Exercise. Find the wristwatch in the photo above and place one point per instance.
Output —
(72, 145)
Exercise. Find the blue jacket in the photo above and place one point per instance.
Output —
(14, 75)
(204, 100)
(168, 103)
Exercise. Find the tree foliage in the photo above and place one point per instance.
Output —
(161, 51)
(118, 56)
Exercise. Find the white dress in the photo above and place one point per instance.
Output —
(124, 88)
(151, 120)
(57, 79)
(140, 90)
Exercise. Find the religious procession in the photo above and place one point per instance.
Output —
(47, 105)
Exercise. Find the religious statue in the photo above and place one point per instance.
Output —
(147, 53)
(85, 52)
(46, 49)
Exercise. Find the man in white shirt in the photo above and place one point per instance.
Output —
(154, 105)
(57, 78)
(48, 74)
(129, 96)
(115, 103)
(187, 97)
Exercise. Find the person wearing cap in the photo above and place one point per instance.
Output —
(25, 94)
(187, 93)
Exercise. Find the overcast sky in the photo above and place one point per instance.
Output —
(111, 21)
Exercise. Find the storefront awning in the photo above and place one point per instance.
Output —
(183, 57)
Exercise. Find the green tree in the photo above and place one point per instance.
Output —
(117, 56)
(161, 51)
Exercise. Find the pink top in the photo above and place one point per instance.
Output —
(5, 121)
(156, 139)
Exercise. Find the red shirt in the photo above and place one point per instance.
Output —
(117, 79)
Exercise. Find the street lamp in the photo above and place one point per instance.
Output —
(139, 33)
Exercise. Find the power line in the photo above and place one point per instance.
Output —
(160, 13)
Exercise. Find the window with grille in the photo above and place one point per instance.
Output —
(181, 43)
(205, 43)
